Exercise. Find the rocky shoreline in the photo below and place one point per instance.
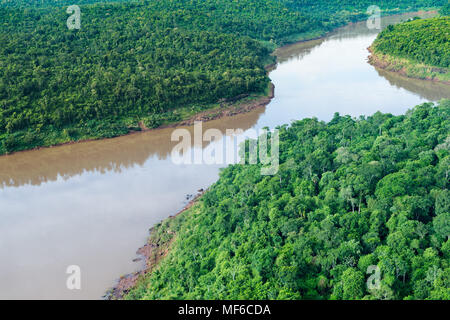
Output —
(152, 253)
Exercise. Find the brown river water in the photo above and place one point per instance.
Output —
(91, 204)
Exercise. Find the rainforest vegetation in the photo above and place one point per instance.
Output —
(349, 194)
(445, 10)
(421, 40)
(420, 48)
(149, 62)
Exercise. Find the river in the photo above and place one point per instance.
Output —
(91, 204)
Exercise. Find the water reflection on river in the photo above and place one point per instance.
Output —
(91, 204)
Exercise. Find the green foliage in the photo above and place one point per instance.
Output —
(51, 3)
(349, 194)
(134, 61)
(445, 10)
(139, 60)
(424, 41)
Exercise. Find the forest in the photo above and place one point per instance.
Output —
(445, 10)
(351, 195)
(150, 62)
(420, 40)
(419, 48)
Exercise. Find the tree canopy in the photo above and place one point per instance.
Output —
(351, 195)
(420, 40)
(143, 61)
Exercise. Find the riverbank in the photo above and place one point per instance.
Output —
(105, 129)
(114, 190)
(162, 234)
(224, 108)
(416, 48)
(152, 253)
(254, 238)
(407, 68)
(158, 247)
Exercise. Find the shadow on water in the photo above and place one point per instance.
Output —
(433, 91)
(39, 166)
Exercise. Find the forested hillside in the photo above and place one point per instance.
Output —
(148, 62)
(445, 10)
(421, 40)
(419, 48)
(349, 194)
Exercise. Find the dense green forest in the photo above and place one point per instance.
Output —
(419, 48)
(445, 10)
(421, 40)
(52, 3)
(150, 62)
(350, 194)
